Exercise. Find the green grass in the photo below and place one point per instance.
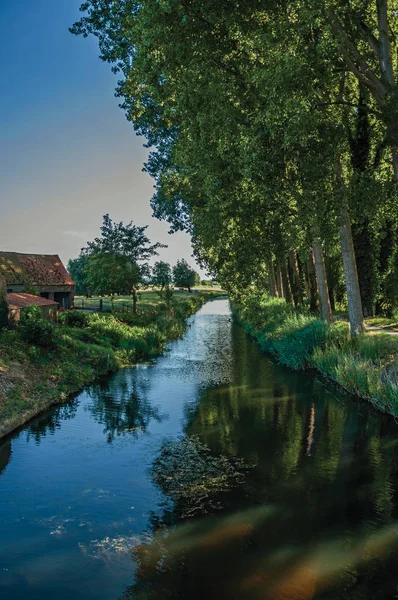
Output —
(366, 366)
(382, 322)
(103, 342)
(148, 300)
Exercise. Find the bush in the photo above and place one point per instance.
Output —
(73, 318)
(296, 339)
(35, 329)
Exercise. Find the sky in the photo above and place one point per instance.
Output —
(67, 153)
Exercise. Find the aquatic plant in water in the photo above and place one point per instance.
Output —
(186, 470)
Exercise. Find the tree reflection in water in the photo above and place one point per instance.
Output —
(49, 422)
(316, 518)
(119, 403)
(5, 454)
(122, 405)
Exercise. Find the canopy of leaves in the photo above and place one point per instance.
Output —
(183, 275)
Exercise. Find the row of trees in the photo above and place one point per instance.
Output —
(274, 134)
(116, 262)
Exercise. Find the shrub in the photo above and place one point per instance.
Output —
(74, 318)
(295, 340)
(326, 360)
(376, 347)
(35, 329)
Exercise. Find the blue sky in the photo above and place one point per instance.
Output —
(67, 153)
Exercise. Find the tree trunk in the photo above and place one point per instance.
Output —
(279, 281)
(326, 311)
(351, 275)
(329, 278)
(134, 293)
(286, 283)
(395, 164)
(385, 57)
(295, 278)
(366, 250)
(312, 283)
(271, 278)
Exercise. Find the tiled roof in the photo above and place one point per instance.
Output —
(33, 269)
(22, 300)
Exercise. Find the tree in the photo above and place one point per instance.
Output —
(76, 268)
(117, 260)
(183, 275)
(260, 148)
(161, 275)
(107, 274)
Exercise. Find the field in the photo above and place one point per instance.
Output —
(148, 300)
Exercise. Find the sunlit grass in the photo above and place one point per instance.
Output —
(366, 366)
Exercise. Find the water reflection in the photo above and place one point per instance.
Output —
(48, 423)
(316, 517)
(5, 454)
(122, 405)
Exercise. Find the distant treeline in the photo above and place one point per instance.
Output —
(117, 263)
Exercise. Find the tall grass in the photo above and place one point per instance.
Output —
(366, 366)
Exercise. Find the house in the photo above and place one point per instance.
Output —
(17, 302)
(43, 273)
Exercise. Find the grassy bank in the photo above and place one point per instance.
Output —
(366, 367)
(41, 364)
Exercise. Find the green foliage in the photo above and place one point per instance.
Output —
(73, 318)
(110, 273)
(365, 366)
(35, 329)
(115, 262)
(295, 339)
(280, 330)
(76, 268)
(183, 275)
(161, 274)
(57, 360)
(31, 289)
(251, 175)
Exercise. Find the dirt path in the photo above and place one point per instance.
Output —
(381, 329)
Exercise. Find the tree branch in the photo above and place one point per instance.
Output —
(345, 103)
(355, 61)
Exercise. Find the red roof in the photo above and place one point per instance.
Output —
(36, 269)
(22, 300)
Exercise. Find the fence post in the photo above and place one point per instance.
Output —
(100, 305)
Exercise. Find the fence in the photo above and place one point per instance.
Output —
(103, 305)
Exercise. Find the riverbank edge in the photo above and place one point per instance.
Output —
(337, 351)
(59, 396)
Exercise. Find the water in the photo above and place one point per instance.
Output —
(315, 519)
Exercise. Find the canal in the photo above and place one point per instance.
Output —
(81, 515)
